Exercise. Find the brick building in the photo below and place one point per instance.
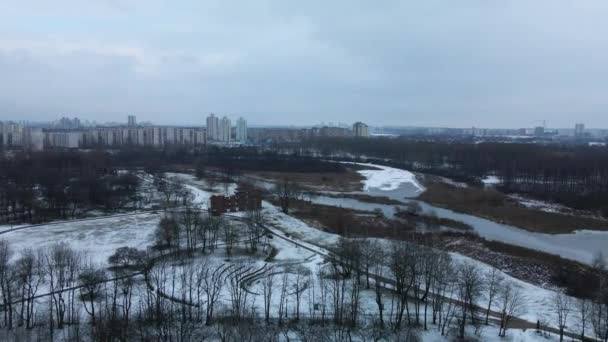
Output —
(241, 201)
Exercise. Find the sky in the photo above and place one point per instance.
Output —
(482, 63)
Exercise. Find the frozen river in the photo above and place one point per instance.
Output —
(580, 246)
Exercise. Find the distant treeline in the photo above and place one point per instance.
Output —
(36, 187)
(574, 175)
(50, 185)
(228, 159)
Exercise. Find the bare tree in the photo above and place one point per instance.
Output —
(230, 235)
(30, 274)
(62, 267)
(492, 280)
(562, 306)
(511, 301)
(287, 191)
(599, 316)
(282, 310)
(379, 263)
(469, 289)
(213, 282)
(6, 282)
(190, 220)
(300, 284)
(267, 288)
(255, 230)
(126, 257)
(168, 232)
(584, 307)
(402, 261)
(91, 281)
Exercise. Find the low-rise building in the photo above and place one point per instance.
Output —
(241, 201)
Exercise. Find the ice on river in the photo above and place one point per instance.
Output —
(387, 178)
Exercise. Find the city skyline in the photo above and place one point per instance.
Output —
(483, 66)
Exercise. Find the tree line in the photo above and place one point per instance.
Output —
(571, 174)
(44, 186)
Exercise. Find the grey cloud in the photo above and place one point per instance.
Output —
(428, 63)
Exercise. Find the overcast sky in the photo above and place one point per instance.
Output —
(484, 63)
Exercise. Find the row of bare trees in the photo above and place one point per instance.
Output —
(48, 185)
(418, 284)
(191, 230)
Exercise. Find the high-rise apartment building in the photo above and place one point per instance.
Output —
(10, 134)
(579, 130)
(132, 120)
(360, 130)
(213, 127)
(225, 130)
(241, 130)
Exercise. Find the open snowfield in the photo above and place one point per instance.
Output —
(98, 238)
(387, 178)
(538, 300)
(297, 229)
(202, 197)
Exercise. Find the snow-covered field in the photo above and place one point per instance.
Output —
(201, 197)
(296, 228)
(97, 239)
(387, 178)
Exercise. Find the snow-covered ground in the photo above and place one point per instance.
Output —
(490, 333)
(100, 238)
(453, 183)
(538, 301)
(490, 180)
(539, 205)
(296, 228)
(97, 239)
(387, 178)
(202, 197)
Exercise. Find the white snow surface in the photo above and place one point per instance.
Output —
(97, 239)
(387, 178)
(202, 197)
(490, 180)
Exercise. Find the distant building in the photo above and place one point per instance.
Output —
(213, 127)
(327, 131)
(579, 130)
(539, 131)
(10, 134)
(33, 139)
(263, 135)
(67, 123)
(70, 139)
(131, 121)
(241, 201)
(241, 130)
(360, 130)
(225, 131)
